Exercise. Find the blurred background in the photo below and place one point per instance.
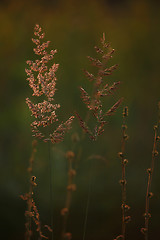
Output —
(74, 28)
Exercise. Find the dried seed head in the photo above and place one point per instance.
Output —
(101, 89)
(42, 80)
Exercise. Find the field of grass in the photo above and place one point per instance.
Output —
(82, 181)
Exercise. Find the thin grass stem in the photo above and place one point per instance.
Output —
(51, 187)
(70, 188)
(87, 206)
(150, 171)
(123, 181)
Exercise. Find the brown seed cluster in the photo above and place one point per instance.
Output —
(42, 80)
(100, 89)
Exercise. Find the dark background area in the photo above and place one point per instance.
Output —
(74, 28)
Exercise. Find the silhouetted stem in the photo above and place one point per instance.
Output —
(70, 188)
(29, 201)
(123, 181)
(51, 187)
(150, 171)
(150, 174)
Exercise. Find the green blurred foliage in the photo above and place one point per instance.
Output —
(74, 27)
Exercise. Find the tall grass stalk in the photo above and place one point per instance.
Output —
(150, 171)
(31, 186)
(42, 80)
(32, 214)
(70, 188)
(123, 181)
(51, 186)
(94, 102)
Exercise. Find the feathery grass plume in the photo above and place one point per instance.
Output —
(43, 83)
(32, 214)
(70, 188)
(100, 89)
(123, 182)
(150, 171)
(42, 79)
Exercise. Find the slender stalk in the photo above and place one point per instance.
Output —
(94, 105)
(70, 188)
(51, 187)
(123, 179)
(28, 224)
(89, 196)
(86, 212)
(29, 219)
(150, 171)
(42, 81)
(123, 182)
(65, 210)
